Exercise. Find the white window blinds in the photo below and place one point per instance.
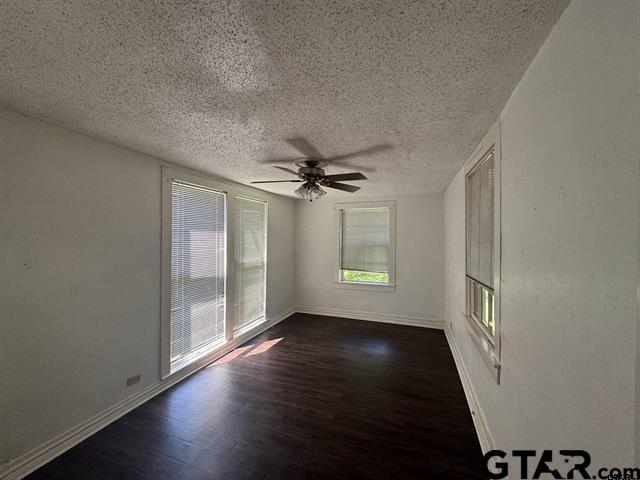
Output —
(198, 269)
(480, 185)
(251, 253)
(365, 239)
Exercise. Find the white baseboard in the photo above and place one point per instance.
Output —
(373, 317)
(479, 420)
(34, 459)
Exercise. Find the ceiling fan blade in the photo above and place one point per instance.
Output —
(284, 169)
(345, 176)
(361, 153)
(343, 186)
(304, 147)
(349, 166)
(277, 181)
(273, 161)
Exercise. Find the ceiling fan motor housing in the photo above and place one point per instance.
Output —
(311, 172)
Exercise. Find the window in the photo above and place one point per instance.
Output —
(197, 271)
(366, 244)
(251, 253)
(482, 255)
(480, 185)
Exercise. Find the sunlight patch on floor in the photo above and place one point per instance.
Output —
(237, 352)
(231, 355)
(264, 346)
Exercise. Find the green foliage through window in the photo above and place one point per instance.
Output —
(365, 277)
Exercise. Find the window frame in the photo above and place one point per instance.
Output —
(169, 175)
(390, 286)
(257, 321)
(489, 346)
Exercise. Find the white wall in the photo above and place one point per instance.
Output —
(419, 262)
(80, 264)
(569, 244)
(80, 272)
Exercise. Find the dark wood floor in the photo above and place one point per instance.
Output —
(334, 398)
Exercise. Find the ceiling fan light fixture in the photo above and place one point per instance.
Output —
(309, 191)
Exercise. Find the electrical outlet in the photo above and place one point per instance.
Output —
(133, 380)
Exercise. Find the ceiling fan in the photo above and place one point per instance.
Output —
(311, 170)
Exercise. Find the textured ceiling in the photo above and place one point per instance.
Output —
(219, 86)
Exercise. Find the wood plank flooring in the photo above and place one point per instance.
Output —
(313, 397)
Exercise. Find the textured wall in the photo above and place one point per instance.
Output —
(570, 178)
(80, 277)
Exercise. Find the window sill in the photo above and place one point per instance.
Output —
(217, 350)
(249, 326)
(199, 354)
(367, 287)
(485, 348)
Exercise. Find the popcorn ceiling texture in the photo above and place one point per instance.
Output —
(218, 86)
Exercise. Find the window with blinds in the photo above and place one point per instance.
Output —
(480, 220)
(364, 245)
(251, 260)
(198, 270)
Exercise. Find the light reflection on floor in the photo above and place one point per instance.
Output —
(237, 352)
(377, 347)
(231, 355)
(263, 347)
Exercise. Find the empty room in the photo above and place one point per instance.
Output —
(293, 239)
